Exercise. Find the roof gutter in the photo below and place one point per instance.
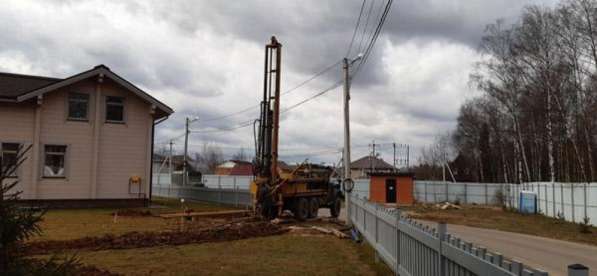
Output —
(7, 100)
(155, 123)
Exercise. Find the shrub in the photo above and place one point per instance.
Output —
(17, 224)
(584, 226)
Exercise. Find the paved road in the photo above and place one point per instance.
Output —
(550, 255)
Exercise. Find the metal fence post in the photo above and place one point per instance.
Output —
(572, 197)
(434, 193)
(425, 185)
(219, 189)
(441, 229)
(465, 193)
(447, 198)
(553, 198)
(546, 201)
(397, 242)
(235, 193)
(562, 199)
(486, 199)
(376, 232)
(585, 199)
(578, 270)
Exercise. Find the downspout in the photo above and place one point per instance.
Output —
(151, 158)
(151, 164)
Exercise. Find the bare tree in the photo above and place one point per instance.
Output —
(536, 116)
(240, 155)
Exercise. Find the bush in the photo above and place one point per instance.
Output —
(17, 224)
(584, 226)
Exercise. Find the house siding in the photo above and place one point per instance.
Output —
(16, 125)
(123, 149)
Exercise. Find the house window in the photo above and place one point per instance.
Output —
(114, 109)
(54, 161)
(78, 106)
(8, 156)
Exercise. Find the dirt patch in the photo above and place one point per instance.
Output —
(226, 232)
(132, 213)
(89, 270)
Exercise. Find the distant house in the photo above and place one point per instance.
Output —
(235, 167)
(161, 165)
(91, 136)
(240, 167)
(363, 166)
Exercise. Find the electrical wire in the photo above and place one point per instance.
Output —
(366, 25)
(321, 93)
(356, 29)
(301, 84)
(374, 37)
(241, 125)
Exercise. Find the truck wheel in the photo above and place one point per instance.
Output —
(313, 207)
(335, 208)
(301, 210)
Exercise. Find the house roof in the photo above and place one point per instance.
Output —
(368, 162)
(13, 85)
(232, 163)
(244, 168)
(19, 88)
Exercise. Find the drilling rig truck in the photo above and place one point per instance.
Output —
(304, 189)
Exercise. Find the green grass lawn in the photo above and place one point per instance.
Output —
(67, 224)
(496, 218)
(287, 254)
(277, 255)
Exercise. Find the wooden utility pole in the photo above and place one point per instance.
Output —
(186, 148)
(170, 162)
(348, 183)
(394, 146)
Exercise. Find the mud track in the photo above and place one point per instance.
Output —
(226, 232)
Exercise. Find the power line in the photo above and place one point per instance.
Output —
(312, 97)
(242, 125)
(366, 25)
(301, 84)
(375, 36)
(356, 28)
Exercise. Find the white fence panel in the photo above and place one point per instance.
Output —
(410, 248)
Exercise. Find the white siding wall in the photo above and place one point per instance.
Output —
(124, 149)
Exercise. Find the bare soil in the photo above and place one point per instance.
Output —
(226, 232)
(132, 213)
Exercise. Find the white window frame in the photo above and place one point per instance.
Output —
(68, 100)
(65, 166)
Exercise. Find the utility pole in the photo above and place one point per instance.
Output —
(346, 154)
(374, 159)
(407, 157)
(170, 162)
(185, 169)
(394, 146)
(186, 148)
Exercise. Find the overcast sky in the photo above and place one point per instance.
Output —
(205, 59)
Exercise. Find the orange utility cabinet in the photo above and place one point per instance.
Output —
(393, 188)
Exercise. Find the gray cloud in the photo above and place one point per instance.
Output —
(204, 58)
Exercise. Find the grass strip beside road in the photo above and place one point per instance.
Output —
(498, 219)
